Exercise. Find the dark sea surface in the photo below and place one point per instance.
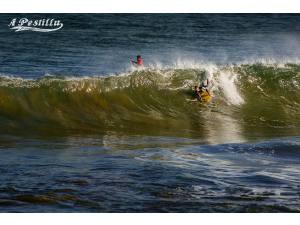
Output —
(81, 130)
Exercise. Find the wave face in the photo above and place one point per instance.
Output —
(249, 100)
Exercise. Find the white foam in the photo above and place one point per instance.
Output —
(226, 81)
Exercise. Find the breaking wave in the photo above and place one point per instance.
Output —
(248, 100)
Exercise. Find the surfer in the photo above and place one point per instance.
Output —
(203, 87)
(138, 62)
(201, 91)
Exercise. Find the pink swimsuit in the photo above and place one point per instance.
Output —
(140, 62)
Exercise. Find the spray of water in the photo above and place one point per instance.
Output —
(226, 81)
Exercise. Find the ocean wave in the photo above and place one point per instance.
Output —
(257, 97)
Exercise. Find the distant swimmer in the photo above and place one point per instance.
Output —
(138, 62)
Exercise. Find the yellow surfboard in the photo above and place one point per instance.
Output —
(205, 97)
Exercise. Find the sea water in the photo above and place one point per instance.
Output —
(81, 130)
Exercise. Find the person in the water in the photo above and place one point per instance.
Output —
(203, 87)
(138, 62)
(199, 90)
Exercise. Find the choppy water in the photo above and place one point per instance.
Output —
(83, 131)
(115, 173)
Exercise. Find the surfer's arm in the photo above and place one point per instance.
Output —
(133, 62)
